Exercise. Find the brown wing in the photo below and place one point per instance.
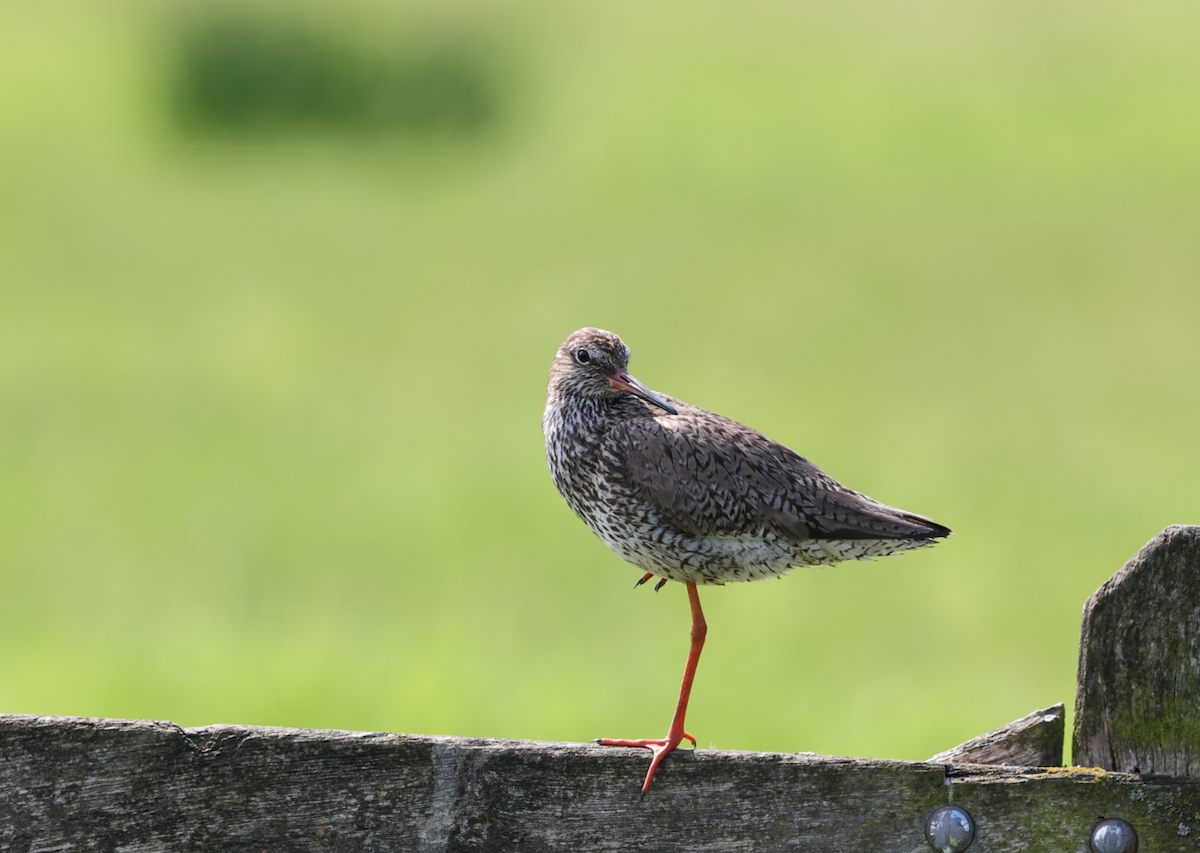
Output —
(710, 476)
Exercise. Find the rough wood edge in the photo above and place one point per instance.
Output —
(1138, 680)
(79, 783)
(1035, 740)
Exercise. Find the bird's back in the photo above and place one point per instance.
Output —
(693, 496)
(698, 497)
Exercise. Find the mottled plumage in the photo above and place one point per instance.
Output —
(694, 496)
(691, 496)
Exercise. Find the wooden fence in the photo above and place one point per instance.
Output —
(74, 784)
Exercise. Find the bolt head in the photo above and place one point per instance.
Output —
(950, 829)
(1113, 835)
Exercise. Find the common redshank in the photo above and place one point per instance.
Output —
(688, 495)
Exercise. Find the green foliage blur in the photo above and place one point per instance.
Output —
(270, 392)
(248, 70)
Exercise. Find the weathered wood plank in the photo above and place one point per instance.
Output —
(112, 785)
(1035, 740)
(1137, 706)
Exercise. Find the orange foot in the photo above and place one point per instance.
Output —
(659, 748)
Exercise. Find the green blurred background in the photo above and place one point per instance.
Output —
(279, 291)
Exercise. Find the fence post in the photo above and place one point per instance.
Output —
(1137, 705)
(83, 784)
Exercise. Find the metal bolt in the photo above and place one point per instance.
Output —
(951, 830)
(1113, 835)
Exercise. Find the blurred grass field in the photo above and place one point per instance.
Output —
(270, 403)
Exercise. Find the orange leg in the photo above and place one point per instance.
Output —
(675, 734)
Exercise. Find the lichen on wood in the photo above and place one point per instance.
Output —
(85, 784)
(1137, 708)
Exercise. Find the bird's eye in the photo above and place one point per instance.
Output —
(583, 356)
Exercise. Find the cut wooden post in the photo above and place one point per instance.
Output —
(1137, 706)
(1035, 740)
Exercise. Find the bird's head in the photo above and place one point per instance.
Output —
(592, 363)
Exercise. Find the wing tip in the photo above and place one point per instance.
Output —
(931, 529)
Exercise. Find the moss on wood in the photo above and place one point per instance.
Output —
(1138, 702)
(69, 783)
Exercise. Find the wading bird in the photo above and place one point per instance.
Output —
(687, 495)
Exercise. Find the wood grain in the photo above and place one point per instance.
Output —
(140, 786)
(1035, 740)
(1137, 706)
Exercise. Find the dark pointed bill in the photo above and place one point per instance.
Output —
(624, 382)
